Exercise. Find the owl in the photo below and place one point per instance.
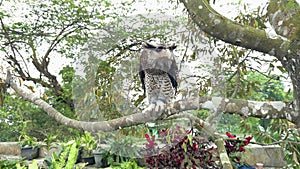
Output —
(158, 71)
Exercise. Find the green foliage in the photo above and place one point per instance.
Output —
(69, 20)
(33, 165)
(25, 140)
(63, 103)
(72, 158)
(88, 144)
(281, 132)
(255, 86)
(262, 88)
(255, 18)
(6, 164)
(49, 140)
(11, 118)
(131, 164)
(123, 147)
(134, 131)
(17, 165)
(67, 74)
(66, 159)
(104, 92)
(19, 117)
(46, 30)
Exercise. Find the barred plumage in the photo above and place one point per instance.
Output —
(158, 72)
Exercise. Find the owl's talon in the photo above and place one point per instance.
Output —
(159, 105)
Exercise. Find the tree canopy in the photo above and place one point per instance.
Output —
(99, 37)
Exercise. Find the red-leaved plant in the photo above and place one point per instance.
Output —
(235, 145)
(180, 148)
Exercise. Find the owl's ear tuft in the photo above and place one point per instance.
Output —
(172, 47)
(148, 45)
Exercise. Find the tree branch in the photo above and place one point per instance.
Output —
(7, 36)
(231, 32)
(286, 51)
(154, 112)
(284, 17)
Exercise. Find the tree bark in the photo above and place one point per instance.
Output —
(287, 51)
(225, 161)
(158, 111)
(284, 17)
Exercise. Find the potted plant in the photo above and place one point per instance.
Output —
(66, 158)
(88, 144)
(122, 148)
(101, 157)
(29, 149)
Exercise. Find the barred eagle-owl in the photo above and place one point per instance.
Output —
(158, 72)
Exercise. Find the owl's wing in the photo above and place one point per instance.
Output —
(173, 74)
(143, 58)
(142, 78)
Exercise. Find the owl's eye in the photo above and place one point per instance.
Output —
(158, 49)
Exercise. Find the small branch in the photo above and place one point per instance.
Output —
(237, 83)
(7, 36)
(26, 66)
(206, 127)
(8, 77)
(225, 161)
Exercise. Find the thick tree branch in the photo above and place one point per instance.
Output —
(154, 112)
(149, 114)
(286, 51)
(226, 30)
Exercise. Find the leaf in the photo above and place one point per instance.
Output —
(295, 159)
(19, 166)
(260, 23)
(31, 88)
(190, 138)
(288, 92)
(281, 68)
(255, 24)
(261, 128)
(33, 165)
(72, 156)
(184, 147)
(168, 138)
(20, 81)
(271, 66)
